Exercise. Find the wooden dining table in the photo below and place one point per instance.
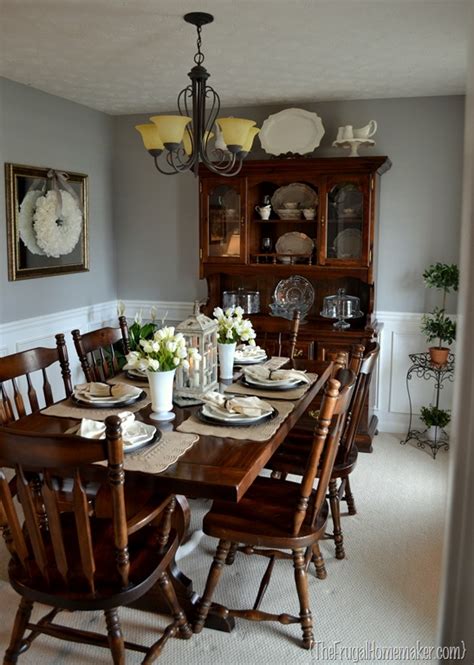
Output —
(213, 468)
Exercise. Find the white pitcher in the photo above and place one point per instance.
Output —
(367, 131)
(264, 211)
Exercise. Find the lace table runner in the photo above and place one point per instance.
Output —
(261, 432)
(161, 455)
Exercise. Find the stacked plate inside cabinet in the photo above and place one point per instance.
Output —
(290, 200)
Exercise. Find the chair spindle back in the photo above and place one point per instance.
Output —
(280, 335)
(43, 547)
(327, 434)
(364, 376)
(96, 350)
(14, 403)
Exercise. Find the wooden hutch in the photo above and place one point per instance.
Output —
(232, 256)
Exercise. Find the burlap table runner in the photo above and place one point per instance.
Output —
(293, 393)
(261, 432)
(161, 455)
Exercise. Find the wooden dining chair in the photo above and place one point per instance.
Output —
(97, 351)
(92, 557)
(275, 516)
(291, 456)
(279, 336)
(13, 400)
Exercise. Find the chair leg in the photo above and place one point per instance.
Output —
(349, 498)
(301, 579)
(19, 627)
(114, 633)
(336, 518)
(230, 558)
(318, 561)
(172, 600)
(212, 580)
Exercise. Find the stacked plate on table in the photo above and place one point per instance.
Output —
(137, 374)
(104, 395)
(277, 379)
(234, 410)
(249, 355)
(135, 434)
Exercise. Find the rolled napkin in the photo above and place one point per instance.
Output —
(103, 392)
(133, 431)
(268, 376)
(247, 352)
(253, 407)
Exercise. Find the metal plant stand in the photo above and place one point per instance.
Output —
(423, 368)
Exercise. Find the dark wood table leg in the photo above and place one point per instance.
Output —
(364, 438)
(154, 601)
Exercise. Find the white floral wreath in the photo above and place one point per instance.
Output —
(25, 221)
(55, 235)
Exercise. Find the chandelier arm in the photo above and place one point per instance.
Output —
(161, 170)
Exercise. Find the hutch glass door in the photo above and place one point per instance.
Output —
(224, 228)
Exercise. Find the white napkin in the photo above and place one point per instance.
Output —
(103, 392)
(245, 351)
(133, 431)
(253, 407)
(267, 376)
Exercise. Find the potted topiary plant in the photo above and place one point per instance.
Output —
(437, 325)
(434, 418)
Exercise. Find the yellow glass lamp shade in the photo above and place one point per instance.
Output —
(187, 145)
(247, 146)
(151, 138)
(235, 132)
(171, 129)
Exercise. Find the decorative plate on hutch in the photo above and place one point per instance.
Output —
(294, 243)
(298, 193)
(296, 291)
(291, 130)
(348, 244)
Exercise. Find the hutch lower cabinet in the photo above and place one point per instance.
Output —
(328, 237)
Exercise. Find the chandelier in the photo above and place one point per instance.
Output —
(178, 143)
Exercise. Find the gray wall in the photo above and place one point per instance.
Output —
(156, 215)
(43, 130)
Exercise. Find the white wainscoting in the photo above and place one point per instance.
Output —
(25, 334)
(400, 336)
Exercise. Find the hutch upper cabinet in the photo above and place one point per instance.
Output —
(239, 249)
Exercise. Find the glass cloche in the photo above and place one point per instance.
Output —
(341, 307)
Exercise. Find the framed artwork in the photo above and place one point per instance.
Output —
(47, 221)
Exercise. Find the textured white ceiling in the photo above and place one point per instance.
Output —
(132, 56)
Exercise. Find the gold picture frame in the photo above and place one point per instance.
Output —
(23, 263)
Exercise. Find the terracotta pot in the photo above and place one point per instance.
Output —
(439, 355)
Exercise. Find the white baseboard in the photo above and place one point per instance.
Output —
(400, 336)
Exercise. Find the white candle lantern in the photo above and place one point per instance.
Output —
(200, 332)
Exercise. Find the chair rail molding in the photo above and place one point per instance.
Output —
(400, 336)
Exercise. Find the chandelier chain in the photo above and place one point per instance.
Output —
(199, 56)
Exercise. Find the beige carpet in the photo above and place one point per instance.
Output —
(386, 590)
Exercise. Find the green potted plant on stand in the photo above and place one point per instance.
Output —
(437, 325)
(435, 419)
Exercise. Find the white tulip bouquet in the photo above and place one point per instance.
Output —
(165, 351)
(232, 327)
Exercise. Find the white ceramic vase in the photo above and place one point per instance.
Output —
(161, 393)
(226, 360)
(432, 433)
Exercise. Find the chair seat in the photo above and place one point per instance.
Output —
(147, 564)
(263, 517)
